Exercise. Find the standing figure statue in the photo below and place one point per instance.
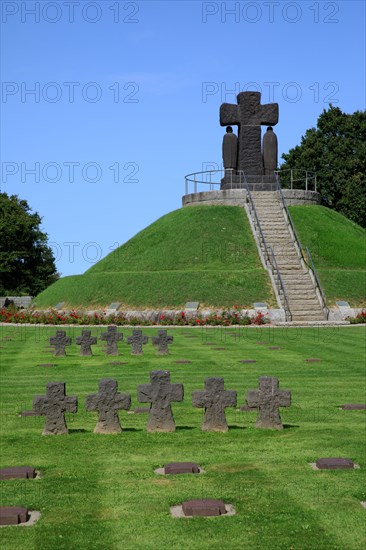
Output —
(230, 149)
(269, 152)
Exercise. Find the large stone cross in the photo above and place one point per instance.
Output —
(112, 337)
(160, 393)
(249, 115)
(137, 339)
(85, 341)
(214, 398)
(108, 401)
(60, 341)
(162, 340)
(53, 406)
(268, 399)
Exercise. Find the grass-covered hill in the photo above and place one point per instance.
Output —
(338, 249)
(208, 254)
(202, 253)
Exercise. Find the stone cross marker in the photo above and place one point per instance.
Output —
(85, 341)
(214, 398)
(112, 337)
(162, 340)
(137, 340)
(108, 401)
(268, 399)
(60, 341)
(160, 393)
(53, 406)
(249, 115)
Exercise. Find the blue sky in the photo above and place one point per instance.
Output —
(126, 99)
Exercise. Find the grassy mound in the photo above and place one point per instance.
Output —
(203, 253)
(337, 246)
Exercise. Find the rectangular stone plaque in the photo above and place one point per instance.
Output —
(191, 306)
(59, 305)
(114, 305)
(260, 305)
(343, 304)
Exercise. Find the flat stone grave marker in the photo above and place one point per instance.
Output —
(219, 349)
(28, 413)
(260, 305)
(18, 472)
(13, 515)
(342, 303)
(274, 347)
(141, 410)
(137, 340)
(85, 341)
(112, 337)
(160, 393)
(262, 343)
(246, 408)
(59, 342)
(181, 468)
(115, 363)
(353, 407)
(204, 507)
(268, 399)
(114, 305)
(313, 360)
(162, 340)
(108, 401)
(334, 464)
(247, 361)
(183, 362)
(215, 399)
(46, 364)
(60, 305)
(53, 406)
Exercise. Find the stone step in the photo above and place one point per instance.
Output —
(307, 318)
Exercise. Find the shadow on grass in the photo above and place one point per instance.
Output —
(185, 428)
(290, 426)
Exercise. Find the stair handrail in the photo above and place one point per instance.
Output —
(282, 287)
(308, 261)
(270, 257)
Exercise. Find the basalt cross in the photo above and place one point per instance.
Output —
(249, 115)
(53, 406)
(268, 399)
(214, 399)
(112, 337)
(108, 401)
(60, 341)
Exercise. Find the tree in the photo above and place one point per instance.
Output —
(27, 264)
(336, 151)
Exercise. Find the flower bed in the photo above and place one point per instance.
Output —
(52, 317)
(360, 318)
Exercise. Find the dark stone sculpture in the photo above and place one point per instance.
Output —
(85, 341)
(270, 152)
(249, 115)
(53, 406)
(160, 393)
(214, 398)
(112, 337)
(268, 399)
(108, 401)
(137, 340)
(60, 341)
(162, 340)
(230, 149)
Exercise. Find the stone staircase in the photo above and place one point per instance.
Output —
(302, 299)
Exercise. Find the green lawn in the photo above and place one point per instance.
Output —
(338, 249)
(100, 492)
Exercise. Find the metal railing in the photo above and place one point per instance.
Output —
(307, 259)
(211, 178)
(296, 178)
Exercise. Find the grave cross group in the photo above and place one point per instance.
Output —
(160, 393)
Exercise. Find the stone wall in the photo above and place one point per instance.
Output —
(19, 301)
(237, 197)
(299, 197)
